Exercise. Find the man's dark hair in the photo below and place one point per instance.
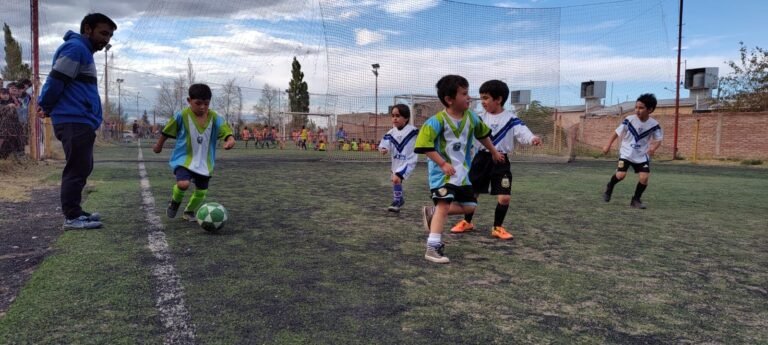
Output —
(200, 91)
(649, 100)
(24, 82)
(93, 19)
(496, 88)
(449, 85)
(404, 111)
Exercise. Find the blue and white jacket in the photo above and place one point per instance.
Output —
(71, 93)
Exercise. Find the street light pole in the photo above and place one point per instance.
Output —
(119, 103)
(376, 102)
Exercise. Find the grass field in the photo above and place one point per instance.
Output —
(311, 256)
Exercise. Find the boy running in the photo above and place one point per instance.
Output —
(641, 136)
(196, 130)
(506, 127)
(446, 138)
(399, 142)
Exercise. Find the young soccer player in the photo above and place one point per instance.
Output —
(399, 143)
(506, 128)
(640, 136)
(246, 134)
(196, 130)
(446, 138)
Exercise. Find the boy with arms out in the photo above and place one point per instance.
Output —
(196, 130)
(399, 142)
(446, 138)
(506, 127)
(641, 136)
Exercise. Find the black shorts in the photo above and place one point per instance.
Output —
(450, 193)
(183, 174)
(623, 165)
(485, 172)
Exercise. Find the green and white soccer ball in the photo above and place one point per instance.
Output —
(211, 216)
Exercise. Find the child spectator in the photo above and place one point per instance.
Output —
(196, 130)
(245, 135)
(399, 143)
(446, 138)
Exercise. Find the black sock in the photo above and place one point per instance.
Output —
(468, 216)
(613, 182)
(639, 190)
(498, 216)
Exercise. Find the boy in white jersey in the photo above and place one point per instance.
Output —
(640, 136)
(505, 129)
(399, 142)
(446, 138)
(196, 130)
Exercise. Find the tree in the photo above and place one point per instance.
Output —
(14, 68)
(269, 104)
(746, 87)
(170, 97)
(229, 101)
(298, 94)
(190, 72)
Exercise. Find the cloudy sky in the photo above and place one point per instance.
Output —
(547, 46)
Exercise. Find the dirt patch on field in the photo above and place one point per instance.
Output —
(31, 222)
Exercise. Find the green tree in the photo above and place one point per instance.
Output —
(14, 68)
(746, 87)
(298, 94)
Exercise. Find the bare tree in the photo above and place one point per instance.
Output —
(190, 72)
(229, 102)
(269, 104)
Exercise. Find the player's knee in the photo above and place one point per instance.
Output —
(504, 199)
(183, 184)
(644, 179)
(620, 175)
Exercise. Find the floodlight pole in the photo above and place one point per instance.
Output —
(677, 85)
(376, 102)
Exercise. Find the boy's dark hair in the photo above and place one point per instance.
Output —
(449, 85)
(649, 100)
(496, 88)
(404, 111)
(4, 90)
(24, 83)
(93, 19)
(200, 91)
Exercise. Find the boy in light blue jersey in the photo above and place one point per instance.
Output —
(196, 130)
(446, 138)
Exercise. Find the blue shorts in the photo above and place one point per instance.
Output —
(183, 174)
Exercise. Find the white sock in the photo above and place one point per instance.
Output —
(434, 240)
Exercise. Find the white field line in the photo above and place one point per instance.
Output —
(167, 284)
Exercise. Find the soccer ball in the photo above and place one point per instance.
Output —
(211, 216)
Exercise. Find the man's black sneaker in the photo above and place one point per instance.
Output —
(395, 207)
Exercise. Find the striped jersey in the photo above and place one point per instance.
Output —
(453, 140)
(506, 127)
(195, 147)
(400, 144)
(636, 137)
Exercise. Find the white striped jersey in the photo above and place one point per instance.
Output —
(400, 144)
(636, 137)
(506, 127)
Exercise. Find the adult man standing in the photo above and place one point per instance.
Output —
(70, 97)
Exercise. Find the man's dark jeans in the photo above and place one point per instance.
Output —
(77, 140)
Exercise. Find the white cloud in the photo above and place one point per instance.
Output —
(408, 7)
(365, 37)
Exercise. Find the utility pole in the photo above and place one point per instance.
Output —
(119, 104)
(677, 85)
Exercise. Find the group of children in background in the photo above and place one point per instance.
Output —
(457, 175)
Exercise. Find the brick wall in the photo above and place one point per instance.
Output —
(720, 135)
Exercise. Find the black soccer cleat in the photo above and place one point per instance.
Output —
(636, 203)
